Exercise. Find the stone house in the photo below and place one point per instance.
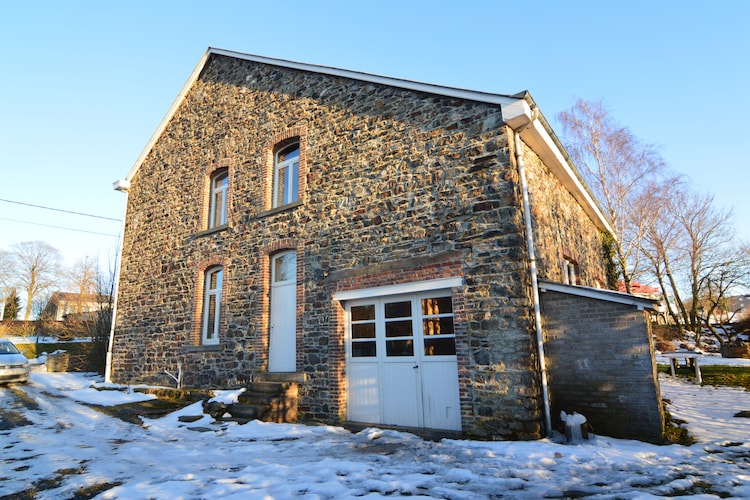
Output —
(367, 238)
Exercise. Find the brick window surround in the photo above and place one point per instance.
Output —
(198, 296)
(208, 174)
(448, 268)
(278, 140)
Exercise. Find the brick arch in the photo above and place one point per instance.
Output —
(279, 245)
(200, 272)
(208, 172)
(268, 251)
(270, 148)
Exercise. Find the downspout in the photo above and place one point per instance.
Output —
(533, 270)
(122, 186)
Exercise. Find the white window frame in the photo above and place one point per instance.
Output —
(210, 336)
(219, 189)
(570, 272)
(289, 192)
(417, 318)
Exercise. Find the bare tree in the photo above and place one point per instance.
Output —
(696, 259)
(6, 287)
(36, 267)
(82, 277)
(6, 270)
(659, 245)
(618, 168)
(728, 273)
(100, 325)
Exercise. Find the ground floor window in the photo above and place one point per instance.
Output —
(212, 288)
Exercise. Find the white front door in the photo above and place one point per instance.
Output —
(282, 340)
(401, 361)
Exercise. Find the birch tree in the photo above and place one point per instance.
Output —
(618, 168)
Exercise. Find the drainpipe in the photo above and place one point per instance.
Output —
(123, 185)
(532, 266)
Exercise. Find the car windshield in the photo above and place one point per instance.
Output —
(8, 348)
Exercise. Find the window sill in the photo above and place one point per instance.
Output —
(202, 348)
(212, 230)
(283, 208)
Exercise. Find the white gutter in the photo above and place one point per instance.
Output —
(534, 275)
(122, 186)
(524, 121)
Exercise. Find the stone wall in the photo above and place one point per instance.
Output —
(601, 365)
(388, 177)
(562, 230)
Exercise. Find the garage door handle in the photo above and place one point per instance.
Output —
(415, 366)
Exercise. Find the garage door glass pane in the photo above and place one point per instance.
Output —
(440, 346)
(364, 350)
(439, 305)
(398, 329)
(398, 309)
(399, 348)
(363, 331)
(438, 326)
(363, 313)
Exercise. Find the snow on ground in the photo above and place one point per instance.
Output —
(68, 447)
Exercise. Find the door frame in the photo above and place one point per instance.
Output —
(370, 379)
(282, 358)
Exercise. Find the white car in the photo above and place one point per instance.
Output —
(14, 366)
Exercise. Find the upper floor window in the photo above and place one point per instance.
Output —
(285, 175)
(212, 287)
(217, 206)
(570, 272)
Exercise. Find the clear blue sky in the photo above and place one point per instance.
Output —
(84, 84)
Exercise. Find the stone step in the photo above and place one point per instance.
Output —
(297, 377)
(268, 387)
(244, 411)
(258, 398)
(267, 401)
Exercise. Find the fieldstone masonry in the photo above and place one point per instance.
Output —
(396, 185)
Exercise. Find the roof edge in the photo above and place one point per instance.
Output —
(459, 93)
(597, 294)
(525, 117)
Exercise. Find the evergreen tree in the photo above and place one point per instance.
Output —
(12, 306)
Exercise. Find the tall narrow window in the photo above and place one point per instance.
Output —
(212, 305)
(570, 272)
(217, 207)
(285, 175)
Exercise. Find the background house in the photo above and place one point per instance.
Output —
(63, 306)
(376, 241)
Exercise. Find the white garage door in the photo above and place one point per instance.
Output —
(401, 361)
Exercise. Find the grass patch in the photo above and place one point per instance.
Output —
(732, 376)
(716, 375)
(674, 433)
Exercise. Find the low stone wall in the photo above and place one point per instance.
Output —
(65, 356)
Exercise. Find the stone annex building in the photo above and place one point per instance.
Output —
(367, 239)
